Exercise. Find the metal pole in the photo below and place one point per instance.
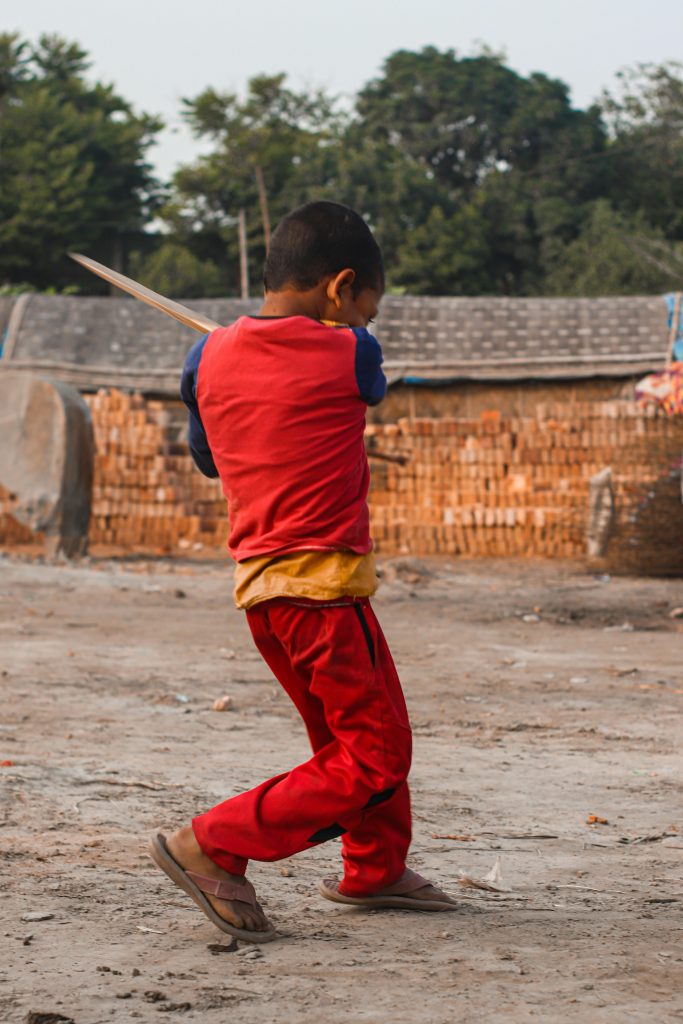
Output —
(675, 325)
(244, 267)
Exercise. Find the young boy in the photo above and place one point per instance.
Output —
(277, 410)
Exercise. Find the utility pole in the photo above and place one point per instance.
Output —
(244, 266)
(263, 202)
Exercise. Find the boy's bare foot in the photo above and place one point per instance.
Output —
(185, 849)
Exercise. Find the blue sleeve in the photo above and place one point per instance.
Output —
(199, 446)
(372, 384)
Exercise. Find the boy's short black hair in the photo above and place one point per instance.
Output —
(320, 239)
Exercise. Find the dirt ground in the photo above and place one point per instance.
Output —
(539, 694)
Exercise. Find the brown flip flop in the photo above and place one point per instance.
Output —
(196, 885)
(396, 896)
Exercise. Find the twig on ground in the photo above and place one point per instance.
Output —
(522, 835)
(459, 839)
(589, 888)
(131, 783)
(652, 837)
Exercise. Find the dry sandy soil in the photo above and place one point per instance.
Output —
(523, 728)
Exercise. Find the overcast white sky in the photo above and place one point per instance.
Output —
(157, 52)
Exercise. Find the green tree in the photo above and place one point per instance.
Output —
(176, 272)
(506, 155)
(645, 120)
(475, 179)
(73, 172)
(447, 113)
(472, 176)
(616, 255)
(464, 118)
(274, 130)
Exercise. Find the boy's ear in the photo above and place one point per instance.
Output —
(344, 279)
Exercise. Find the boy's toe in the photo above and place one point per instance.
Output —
(242, 916)
(432, 892)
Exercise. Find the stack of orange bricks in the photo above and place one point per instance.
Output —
(13, 534)
(147, 495)
(508, 486)
(493, 486)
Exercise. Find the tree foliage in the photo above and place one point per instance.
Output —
(471, 175)
(645, 120)
(273, 129)
(72, 163)
(614, 254)
(173, 270)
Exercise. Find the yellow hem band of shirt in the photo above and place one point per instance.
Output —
(313, 575)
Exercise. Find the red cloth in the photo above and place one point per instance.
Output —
(280, 405)
(335, 665)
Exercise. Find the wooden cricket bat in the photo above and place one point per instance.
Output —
(183, 314)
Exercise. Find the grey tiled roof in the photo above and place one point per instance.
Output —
(118, 333)
(100, 340)
(503, 330)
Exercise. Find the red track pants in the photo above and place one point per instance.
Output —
(335, 664)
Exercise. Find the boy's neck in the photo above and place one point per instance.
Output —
(292, 303)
